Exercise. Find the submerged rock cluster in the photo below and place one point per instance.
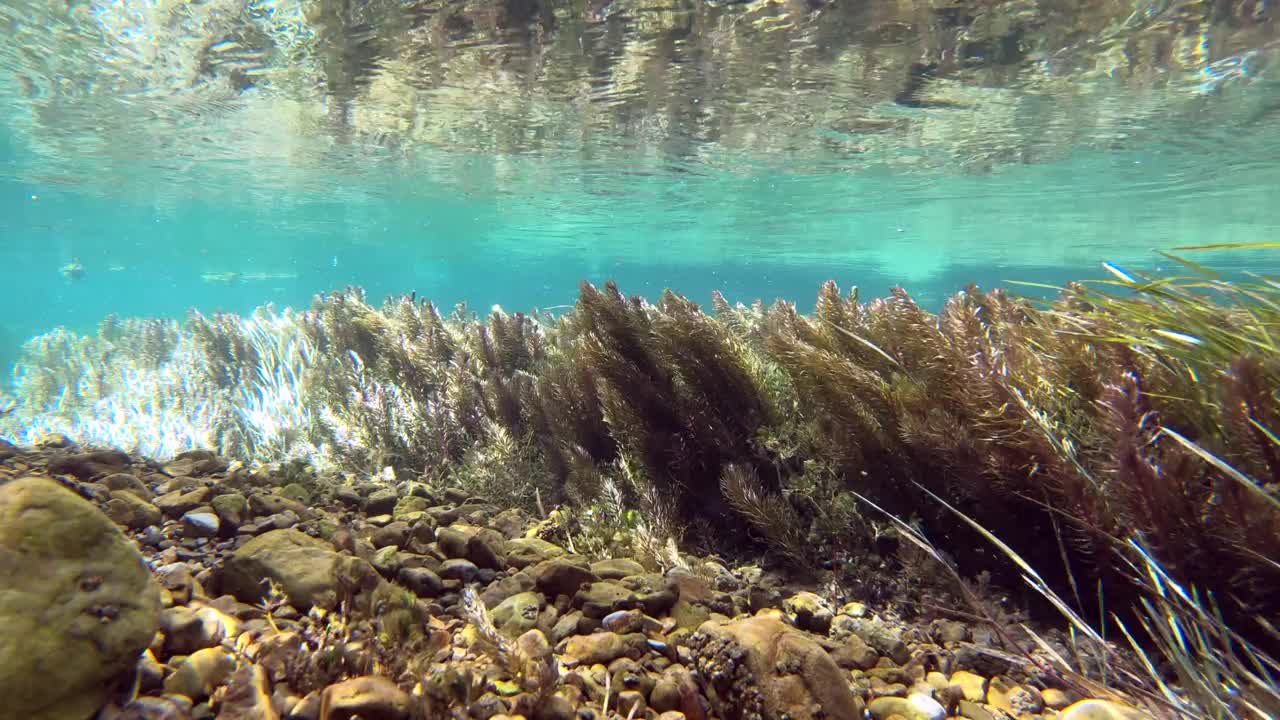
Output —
(201, 589)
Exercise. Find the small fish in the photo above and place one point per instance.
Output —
(72, 270)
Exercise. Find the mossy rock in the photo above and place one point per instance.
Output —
(77, 603)
(310, 571)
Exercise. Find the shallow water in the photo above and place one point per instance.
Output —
(228, 153)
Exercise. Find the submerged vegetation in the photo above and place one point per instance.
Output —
(1120, 439)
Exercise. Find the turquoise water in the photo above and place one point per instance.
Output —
(754, 148)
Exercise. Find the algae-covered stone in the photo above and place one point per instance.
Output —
(77, 603)
(517, 614)
(128, 509)
(309, 570)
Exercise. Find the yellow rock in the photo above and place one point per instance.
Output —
(912, 707)
(201, 672)
(1102, 710)
(1055, 699)
(1013, 699)
(974, 686)
(936, 680)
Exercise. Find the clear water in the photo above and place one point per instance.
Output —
(220, 154)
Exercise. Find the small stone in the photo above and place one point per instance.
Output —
(177, 502)
(605, 647)
(555, 707)
(562, 575)
(381, 502)
(1013, 699)
(665, 696)
(394, 534)
(671, 715)
(247, 697)
(452, 540)
(1101, 710)
(974, 686)
(167, 707)
(523, 552)
(517, 614)
(631, 703)
(616, 568)
(457, 569)
(1055, 699)
(422, 581)
(809, 612)
(232, 508)
(601, 598)
(201, 673)
(200, 524)
(387, 560)
(296, 492)
(409, 506)
(130, 510)
(912, 707)
(368, 697)
(975, 711)
(486, 548)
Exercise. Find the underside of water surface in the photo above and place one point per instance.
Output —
(959, 310)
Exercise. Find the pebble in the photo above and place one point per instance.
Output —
(912, 707)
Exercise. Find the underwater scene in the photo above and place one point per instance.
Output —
(639, 360)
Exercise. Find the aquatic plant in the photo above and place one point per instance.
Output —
(1140, 409)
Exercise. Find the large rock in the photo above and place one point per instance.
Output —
(77, 603)
(760, 667)
(309, 570)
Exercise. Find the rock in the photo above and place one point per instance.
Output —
(458, 569)
(200, 524)
(631, 703)
(975, 711)
(387, 561)
(187, 630)
(855, 653)
(177, 502)
(201, 673)
(127, 482)
(809, 612)
(248, 696)
(950, 631)
(348, 496)
(486, 548)
(1012, 698)
(511, 523)
(422, 581)
(195, 463)
(452, 540)
(181, 583)
(555, 707)
(168, 707)
(381, 502)
(296, 492)
(308, 708)
(1101, 710)
(616, 568)
(517, 614)
(505, 588)
(130, 510)
(605, 647)
(276, 653)
(912, 707)
(760, 666)
(369, 698)
(410, 506)
(232, 508)
(523, 552)
(972, 685)
(78, 605)
(601, 598)
(562, 575)
(90, 464)
(394, 534)
(665, 696)
(1055, 699)
(309, 570)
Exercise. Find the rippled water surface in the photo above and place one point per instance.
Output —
(224, 153)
